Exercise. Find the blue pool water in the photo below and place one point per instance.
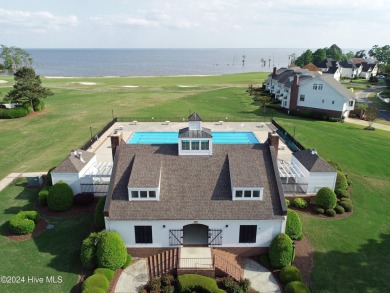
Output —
(172, 137)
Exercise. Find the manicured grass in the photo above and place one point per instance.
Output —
(352, 254)
(36, 143)
(55, 252)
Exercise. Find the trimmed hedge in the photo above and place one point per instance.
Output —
(111, 250)
(42, 196)
(60, 197)
(296, 287)
(281, 251)
(98, 216)
(289, 274)
(299, 203)
(319, 210)
(335, 165)
(83, 199)
(330, 212)
(197, 282)
(128, 262)
(13, 113)
(108, 273)
(48, 180)
(288, 203)
(293, 225)
(339, 209)
(97, 281)
(326, 198)
(346, 204)
(341, 181)
(342, 193)
(24, 222)
(88, 251)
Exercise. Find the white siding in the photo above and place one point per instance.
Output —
(318, 180)
(313, 98)
(266, 231)
(72, 179)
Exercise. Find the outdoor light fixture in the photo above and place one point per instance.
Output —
(227, 226)
(163, 226)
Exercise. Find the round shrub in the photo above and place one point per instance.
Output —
(108, 273)
(111, 250)
(93, 290)
(60, 197)
(296, 287)
(289, 274)
(330, 212)
(88, 251)
(299, 203)
(281, 251)
(128, 261)
(347, 205)
(319, 210)
(326, 198)
(339, 209)
(42, 196)
(341, 181)
(342, 193)
(98, 216)
(197, 282)
(97, 281)
(288, 203)
(24, 222)
(293, 225)
(83, 199)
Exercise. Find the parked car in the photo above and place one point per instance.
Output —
(381, 76)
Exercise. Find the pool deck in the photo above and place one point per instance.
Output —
(102, 147)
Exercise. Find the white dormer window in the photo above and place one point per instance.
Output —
(141, 194)
(315, 86)
(320, 87)
(185, 145)
(204, 145)
(248, 193)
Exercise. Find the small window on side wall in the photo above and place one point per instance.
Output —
(238, 193)
(143, 234)
(134, 194)
(248, 233)
(256, 193)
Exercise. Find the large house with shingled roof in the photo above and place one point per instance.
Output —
(195, 193)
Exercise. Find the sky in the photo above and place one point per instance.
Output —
(194, 23)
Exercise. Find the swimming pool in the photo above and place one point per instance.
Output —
(148, 137)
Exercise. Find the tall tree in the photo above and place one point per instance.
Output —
(360, 54)
(382, 54)
(334, 52)
(15, 58)
(371, 114)
(307, 57)
(27, 87)
(318, 56)
(349, 55)
(263, 99)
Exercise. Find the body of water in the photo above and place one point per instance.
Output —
(156, 62)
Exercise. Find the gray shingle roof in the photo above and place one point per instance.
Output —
(73, 164)
(195, 187)
(186, 133)
(312, 162)
(239, 164)
(194, 117)
(146, 173)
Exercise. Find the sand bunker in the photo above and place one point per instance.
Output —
(3, 81)
(187, 86)
(86, 83)
(130, 86)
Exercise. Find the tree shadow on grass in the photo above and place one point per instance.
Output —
(366, 270)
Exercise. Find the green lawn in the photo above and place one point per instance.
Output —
(55, 252)
(36, 143)
(352, 254)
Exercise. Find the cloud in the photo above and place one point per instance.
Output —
(38, 22)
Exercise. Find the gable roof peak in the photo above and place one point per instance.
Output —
(194, 117)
